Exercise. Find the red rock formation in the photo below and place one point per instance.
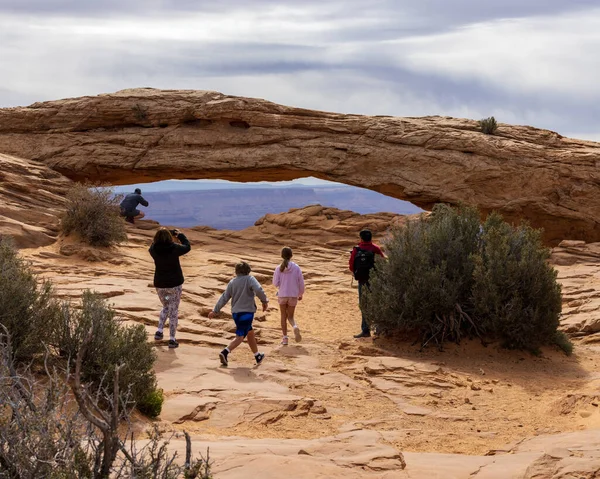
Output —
(148, 135)
(31, 201)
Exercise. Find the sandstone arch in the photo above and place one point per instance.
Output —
(148, 135)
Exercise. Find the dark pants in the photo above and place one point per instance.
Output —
(364, 325)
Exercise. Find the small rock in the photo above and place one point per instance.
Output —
(474, 387)
(467, 401)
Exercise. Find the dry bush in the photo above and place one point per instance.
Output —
(53, 426)
(488, 125)
(93, 213)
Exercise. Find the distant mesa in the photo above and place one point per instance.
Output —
(523, 172)
(237, 207)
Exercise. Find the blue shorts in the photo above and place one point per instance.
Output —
(243, 323)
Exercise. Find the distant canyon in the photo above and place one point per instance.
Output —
(239, 207)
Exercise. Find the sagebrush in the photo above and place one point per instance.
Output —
(52, 427)
(111, 344)
(488, 125)
(93, 213)
(69, 378)
(28, 309)
(449, 275)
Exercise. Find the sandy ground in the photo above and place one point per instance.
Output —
(467, 399)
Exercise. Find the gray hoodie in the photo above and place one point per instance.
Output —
(241, 290)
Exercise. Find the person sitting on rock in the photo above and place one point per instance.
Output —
(290, 281)
(168, 278)
(362, 260)
(129, 206)
(241, 290)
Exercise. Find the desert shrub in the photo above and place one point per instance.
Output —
(425, 284)
(151, 404)
(517, 298)
(93, 214)
(448, 275)
(40, 429)
(28, 310)
(563, 342)
(46, 433)
(111, 344)
(488, 125)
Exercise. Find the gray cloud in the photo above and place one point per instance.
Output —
(378, 57)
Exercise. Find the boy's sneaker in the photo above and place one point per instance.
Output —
(284, 341)
(173, 343)
(297, 335)
(259, 357)
(223, 357)
(158, 336)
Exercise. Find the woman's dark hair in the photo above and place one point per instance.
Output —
(163, 235)
(242, 269)
(366, 235)
(286, 254)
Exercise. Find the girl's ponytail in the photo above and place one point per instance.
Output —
(286, 254)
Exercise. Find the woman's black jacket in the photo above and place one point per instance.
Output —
(167, 271)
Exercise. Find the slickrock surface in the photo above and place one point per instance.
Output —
(32, 197)
(332, 406)
(147, 135)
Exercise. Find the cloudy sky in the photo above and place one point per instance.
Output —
(534, 62)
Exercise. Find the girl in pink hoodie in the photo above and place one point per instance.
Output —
(288, 278)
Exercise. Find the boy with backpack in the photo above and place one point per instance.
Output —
(362, 260)
(241, 290)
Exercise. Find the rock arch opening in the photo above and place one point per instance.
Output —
(229, 205)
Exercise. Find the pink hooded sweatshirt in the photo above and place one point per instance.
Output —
(289, 281)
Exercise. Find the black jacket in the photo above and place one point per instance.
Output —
(167, 271)
(130, 202)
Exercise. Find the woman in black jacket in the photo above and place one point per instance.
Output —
(168, 278)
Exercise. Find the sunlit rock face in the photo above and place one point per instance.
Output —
(148, 135)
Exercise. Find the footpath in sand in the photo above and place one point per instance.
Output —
(332, 406)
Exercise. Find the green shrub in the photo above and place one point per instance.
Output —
(428, 273)
(448, 275)
(151, 404)
(93, 214)
(28, 310)
(488, 125)
(517, 298)
(111, 344)
(563, 342)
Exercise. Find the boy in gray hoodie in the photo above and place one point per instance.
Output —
(241, 290)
